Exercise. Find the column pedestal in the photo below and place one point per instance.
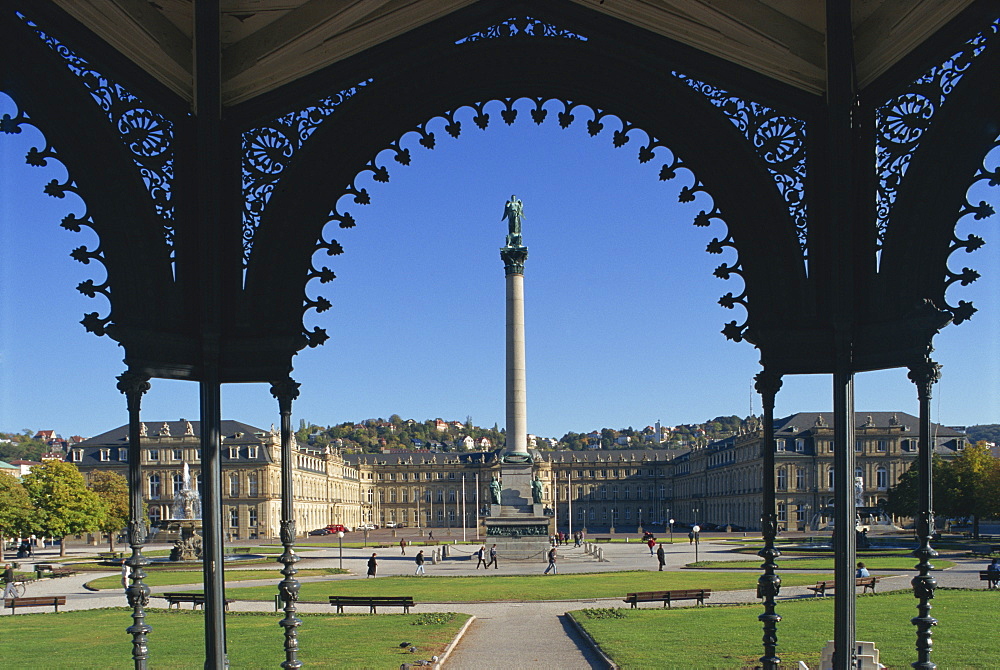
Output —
(518, 526)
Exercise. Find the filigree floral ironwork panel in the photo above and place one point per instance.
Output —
(779, 140)
(267, 151)
(14, 125)
(987, 175)
(902, 121)
(565, 113)
(521, 27)
(147, 134)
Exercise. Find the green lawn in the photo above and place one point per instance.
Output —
(170, 578)
(818, 563)
(95, 639)
(729, 636)
(521, 587)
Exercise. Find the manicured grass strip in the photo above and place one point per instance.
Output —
(522, 587)
(729, 636)
(164, 578)
(95, 639)
(873, 563)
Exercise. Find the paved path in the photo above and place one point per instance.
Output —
(505, 634)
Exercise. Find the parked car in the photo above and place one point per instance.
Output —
(391, 524)
(319, 531)
(338, 528)
(366, 526)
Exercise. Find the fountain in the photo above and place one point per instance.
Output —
(185, 516)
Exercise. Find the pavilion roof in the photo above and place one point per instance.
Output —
(270, 43)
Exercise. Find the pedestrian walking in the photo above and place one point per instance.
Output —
(372, 566)
(661, 556)
(124, 574)
(493, 558)
(402, 546)
(552, 562)
(420, 563)
(8, 580)
(651, 543)
(430, 535)
(481, 555)
(691, 537)
(576, 539)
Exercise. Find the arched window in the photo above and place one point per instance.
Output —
(154, 486)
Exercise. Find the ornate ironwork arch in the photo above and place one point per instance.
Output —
(120, 207)
(920, 236)
(668, 109)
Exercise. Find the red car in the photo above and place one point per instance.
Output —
(337, 528)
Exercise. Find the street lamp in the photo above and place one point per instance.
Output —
(696, 529)
(340, 541)
(671, 530)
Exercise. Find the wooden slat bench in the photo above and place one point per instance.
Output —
(985, 551)
(196, 600)
(991, 577)
(602, 539)
(37, 601)
(667, 597)
(406, 602)
(111, 555)
(868, 584)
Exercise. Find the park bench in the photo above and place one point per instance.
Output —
(47, 569)
(37, 601)
(602, 539)
(985, 550)
(868, 583)
(991, 577)
(111, 555)
(373, 602)
(667, 597)
(196, 599)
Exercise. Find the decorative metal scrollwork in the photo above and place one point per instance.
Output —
(93, 322)
(902, 121)
(147, 134)
(521, 27)
(988, 174)
(267, 151)
(771, 141)
(779, 140)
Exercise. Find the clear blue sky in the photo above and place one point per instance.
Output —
(622, 320)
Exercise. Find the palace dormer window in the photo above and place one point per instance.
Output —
(123, 455)
(252, 452)
(105, 454)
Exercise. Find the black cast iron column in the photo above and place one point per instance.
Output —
(286, 391)
(133, 385)
(768, 584)
(924, 375)
(844, 520)
(211, 514)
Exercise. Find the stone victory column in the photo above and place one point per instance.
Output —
(517, 522)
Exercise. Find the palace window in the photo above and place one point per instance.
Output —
(392, 495)
(252, 517)
(451, 475)
(178, 481)
(782, 479)
(234, 452)
(882, 479)
(829, 479)
(252, 452)
(440, 495)
(451, 496)
(234, 486)
(234, 517)
(155, 514)
(153, 454)
(440, 515)
(882, 445)
(123, 455)
(593, 514)
(105, 454)
(782, 512)
(154, 486)
(628, 513)
(580, 514)
(614, 493)
(627, 493)
(800, 445)
(800, 479)
(859, 445)
(252, 484)
(178, 454)
(404, 495)
(779, 445)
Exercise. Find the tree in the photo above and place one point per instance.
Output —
(63, 503)
(112, 488)
(15, 509)
(966, 486)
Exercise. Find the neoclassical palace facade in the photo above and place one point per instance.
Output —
(597, 489)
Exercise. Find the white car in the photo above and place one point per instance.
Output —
(391, 524)
(366, 526)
